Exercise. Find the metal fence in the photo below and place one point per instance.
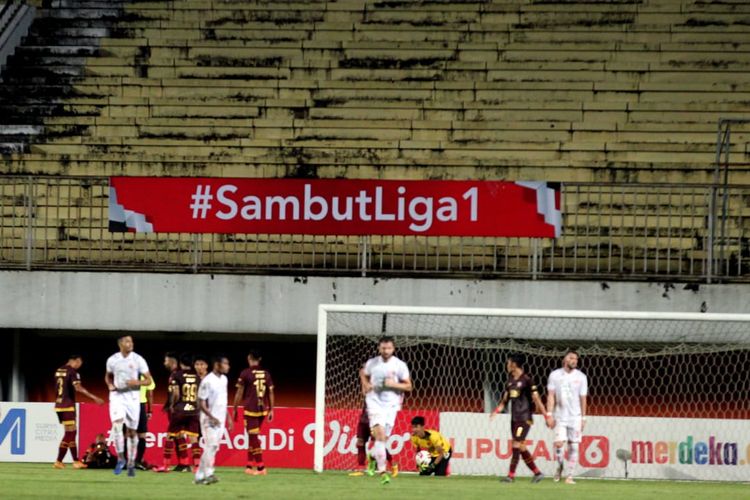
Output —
(610, 231)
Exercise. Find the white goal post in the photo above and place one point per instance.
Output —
(681, 378)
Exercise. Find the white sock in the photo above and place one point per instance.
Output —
(119, 439)
(559, 456)
(378, 451)
(132, 449)
(572, 458)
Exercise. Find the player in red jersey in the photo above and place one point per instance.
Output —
(67, 384)
(255, 392)
(523, 395)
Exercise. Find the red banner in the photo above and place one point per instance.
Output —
(287, 441)
(334, 207)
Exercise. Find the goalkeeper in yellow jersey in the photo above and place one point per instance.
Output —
(433, 442)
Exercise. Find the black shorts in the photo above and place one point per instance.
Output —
(143, 420)
(519, 429)
(440, 469)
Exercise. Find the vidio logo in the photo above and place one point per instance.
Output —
(13, 427)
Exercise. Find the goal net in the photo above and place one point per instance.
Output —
(668, 396)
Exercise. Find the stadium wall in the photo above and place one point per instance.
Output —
(261, 304)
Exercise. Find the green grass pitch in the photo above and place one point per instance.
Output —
(41, 481)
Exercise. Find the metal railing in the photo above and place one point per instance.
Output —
(610, 231)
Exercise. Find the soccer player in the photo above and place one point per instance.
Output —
(123, 378)
(384, 379)
(522, 393)
(214, 414)
(256, 393)
(432, 441)
(68, 383)
(363, 436)
(567, 389)
(170, 444)
(147, 401)
(200, 365)
(187, 423)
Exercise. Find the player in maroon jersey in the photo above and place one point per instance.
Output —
(185, 413)
(67, 384)
(182, 409)
(523, 394)
(173, 366)
(255, 392)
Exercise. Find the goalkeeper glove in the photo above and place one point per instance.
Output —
(429, 468)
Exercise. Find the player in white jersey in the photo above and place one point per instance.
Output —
(126, 373)
(214, 414)
(384, 379)
(567, 389)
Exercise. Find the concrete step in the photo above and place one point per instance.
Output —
(19, 130)
(80, 13)
(40, 51)
(39, 31)
(49, 72)
(9, 148)
(29, 60)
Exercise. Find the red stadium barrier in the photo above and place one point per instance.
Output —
(287, 441)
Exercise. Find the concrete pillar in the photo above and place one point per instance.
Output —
(17, 382)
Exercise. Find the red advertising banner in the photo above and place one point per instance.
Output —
(287, 441)
(334, 207)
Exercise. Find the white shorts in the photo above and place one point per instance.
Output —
(384, 416)
(125, 408)
(211, 435)
(569, 430)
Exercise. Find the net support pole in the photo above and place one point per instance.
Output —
(320, 389)
(488, 386)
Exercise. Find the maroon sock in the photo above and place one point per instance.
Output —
(62, 449)
(259, 458)
(168, 451)
(182, 450)
(253, 451)
(514, 462)
(529, 461)
(361, 455)
(197, 453)
(71, 438)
